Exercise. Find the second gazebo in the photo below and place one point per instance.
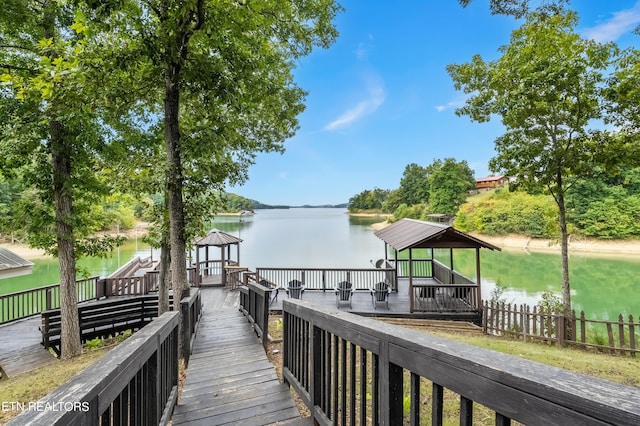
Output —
(434, 286)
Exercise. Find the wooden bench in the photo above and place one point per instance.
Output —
(102, 319)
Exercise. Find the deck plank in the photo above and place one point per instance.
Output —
(20, 347)
(229, 379)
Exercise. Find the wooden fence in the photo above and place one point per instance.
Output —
(26, 303)
(353, 370)
(134, 383)
(526, 323)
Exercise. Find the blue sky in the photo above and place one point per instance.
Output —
(380, 97)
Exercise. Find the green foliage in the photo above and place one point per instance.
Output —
(414, 185)
(606, 206)
(417, 211)
(549, 302)
(510, 212)
(368, 200)
(236, 203)
(449, 184)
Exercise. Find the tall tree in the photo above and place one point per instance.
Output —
(414, 185)
(51, 130)
(449, 184)
(221, 73)
(545, 88)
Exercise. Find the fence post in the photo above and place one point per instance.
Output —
(560, 330)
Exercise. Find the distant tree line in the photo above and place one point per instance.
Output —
(438, 188)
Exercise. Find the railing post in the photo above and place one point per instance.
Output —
(48, 299)
(390, 391)
(186, 329)
(265, 318)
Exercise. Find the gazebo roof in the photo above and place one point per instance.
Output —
(12, 265)
(411, 233)
(217, 238)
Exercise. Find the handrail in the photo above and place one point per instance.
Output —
(26, 303)
(137, 381)
(254, 304)
(191, 309)
(346, 366)
(326, 279)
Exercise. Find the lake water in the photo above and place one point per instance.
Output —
(47, 271)
(603, 287)
(328, 238)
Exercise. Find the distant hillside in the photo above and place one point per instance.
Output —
(236, 203)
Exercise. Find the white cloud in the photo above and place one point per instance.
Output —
(361, 52)
(362, 109)
(453, 104)
(622, 22)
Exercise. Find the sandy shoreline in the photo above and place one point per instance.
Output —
(26, 252)
(587, 246)
(505, 242)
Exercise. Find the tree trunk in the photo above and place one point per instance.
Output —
(164, 283)
(71, 345)
(564, 248)
(174, 189)
(61, 162)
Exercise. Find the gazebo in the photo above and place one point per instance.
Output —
(434, 286)
(211, 272)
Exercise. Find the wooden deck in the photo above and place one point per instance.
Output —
(20, 347)
(361, 304)
(229, 379)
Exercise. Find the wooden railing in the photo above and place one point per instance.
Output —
(353, 370)
(134, 383)
(102, 319)
(445, 275)
(526, 323)
(422, 268)
(445, 298)
(127, 286)
(327, 278)
(22, 304)
(191, 309)
(254, 304)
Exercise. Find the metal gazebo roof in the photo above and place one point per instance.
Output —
(217, 238)
(411, 233)
(12, 265)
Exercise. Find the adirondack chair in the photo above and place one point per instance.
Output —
(344, 291)
(380, 293)
(295, 288)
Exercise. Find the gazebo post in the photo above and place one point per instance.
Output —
(224, 276)
(238, 253)
(451, 265)
(197, 271)
(411, 295)
(478, 289)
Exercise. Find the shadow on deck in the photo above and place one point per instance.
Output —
(229, 379)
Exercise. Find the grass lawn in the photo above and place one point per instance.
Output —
(32, 386)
